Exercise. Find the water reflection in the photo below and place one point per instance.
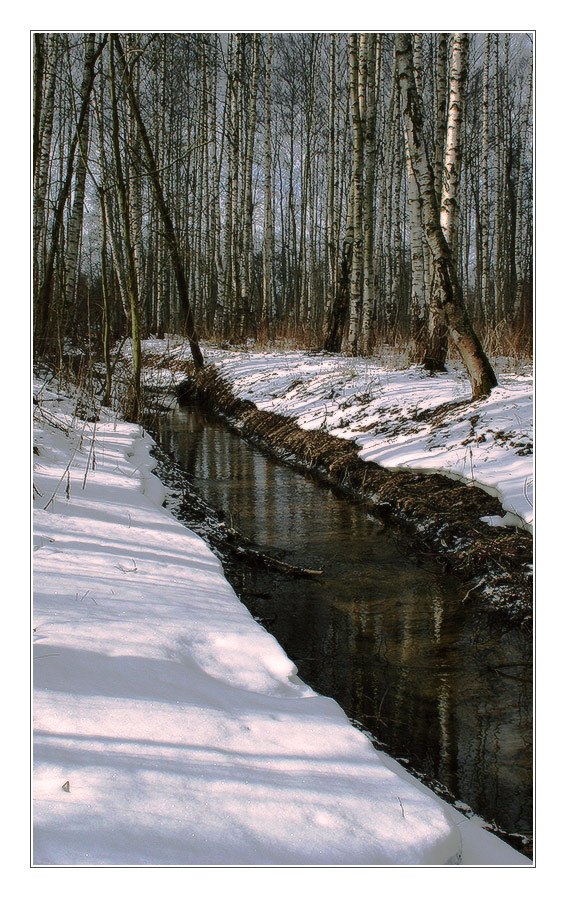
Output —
(440, 684)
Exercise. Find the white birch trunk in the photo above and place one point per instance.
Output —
(268, 302)
(357, 180)
(247, 243)
(370, 154)
(453, 158)
(74, 232)
(41, 178)
(480, 372)
(489, 311)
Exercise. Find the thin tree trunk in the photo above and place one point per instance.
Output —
(38, 73)
(339, 310)
(74, 232)
(440, 123)
(135, 409)
(247, 242)
(45, 291)
(418, 295)
(106, 308)
(170, 235)
(357, 181)
(370, 154)
(485, 208)
(268, 305)
(45, 110)
(331, 216)
(497, 196)
(520, 242)
(134, 185)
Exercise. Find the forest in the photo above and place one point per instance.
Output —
(283, 506)
(336, 191)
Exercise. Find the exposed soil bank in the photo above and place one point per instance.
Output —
(441, 515)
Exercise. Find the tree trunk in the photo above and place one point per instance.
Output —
(370, 154)
(74, 232)
(135, 409)
(480, 372)
(339, 309)
(268, 305)
(332, 188)
(454, 134)
(170, 235)
(43, 305)
(45, 109)
(489, 310)
(247, 241)
(358, 195)
(38, 72)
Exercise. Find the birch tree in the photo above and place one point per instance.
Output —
(170, 234)
(268, 303)
(45, 291)
(135, 408)
(76, 219)
(480, 372)
(372, 78)
(357, 88)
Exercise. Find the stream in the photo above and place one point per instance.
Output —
(438, 683)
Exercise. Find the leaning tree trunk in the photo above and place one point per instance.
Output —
(480, 372)
(437, 348)
(169, 230)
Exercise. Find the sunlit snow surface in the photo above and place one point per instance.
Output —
(397, 415)
(169, 727)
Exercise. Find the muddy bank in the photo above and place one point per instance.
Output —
(439, 515)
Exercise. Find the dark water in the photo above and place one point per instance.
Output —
(442, 686)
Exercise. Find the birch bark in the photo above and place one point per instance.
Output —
(169, 231)
(45, 111)
(268, 303)
(370, 156)
(44, 295)
(454, 135)
(489, 310)
(74, 231)
(355, 78)
(480, 372)
(247, 205)
(135, 400)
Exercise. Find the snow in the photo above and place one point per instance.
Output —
(399, 417)
(169, 727)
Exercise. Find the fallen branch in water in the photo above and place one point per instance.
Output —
(269, 561)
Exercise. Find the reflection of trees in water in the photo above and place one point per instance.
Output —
(391, 642)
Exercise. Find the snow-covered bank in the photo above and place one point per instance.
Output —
(401, 418)
(170, 727)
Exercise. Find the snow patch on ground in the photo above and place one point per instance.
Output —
(169, 727)
(400, 418)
